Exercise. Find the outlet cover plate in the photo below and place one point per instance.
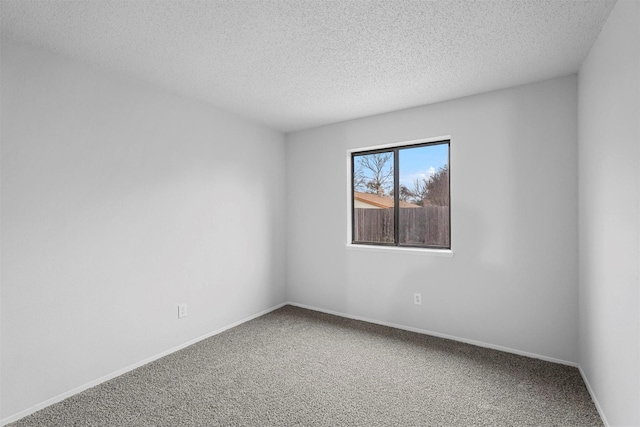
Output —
(182, 311)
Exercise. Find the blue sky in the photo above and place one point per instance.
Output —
(417, 163)
(421, 162)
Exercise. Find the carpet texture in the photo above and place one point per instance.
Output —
(295, 367)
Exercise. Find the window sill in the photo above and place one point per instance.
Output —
(395, 249)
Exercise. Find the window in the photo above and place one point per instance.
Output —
(400, 196)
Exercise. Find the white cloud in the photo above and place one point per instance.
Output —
(409, 179)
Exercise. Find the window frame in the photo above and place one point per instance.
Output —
(394, 148)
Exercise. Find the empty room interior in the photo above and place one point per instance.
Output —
(182, 176)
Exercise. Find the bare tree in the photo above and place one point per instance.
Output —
(406, 195)
(373, 174)
(438, 187)
(419, 191)
(433, 190)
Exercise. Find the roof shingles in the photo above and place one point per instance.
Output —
(380, 201)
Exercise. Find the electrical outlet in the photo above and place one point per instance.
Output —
(182, 310)
(417, 299)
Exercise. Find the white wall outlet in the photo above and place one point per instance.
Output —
(417, 299)
(182, 310)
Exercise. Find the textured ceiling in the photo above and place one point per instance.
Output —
(295, 64)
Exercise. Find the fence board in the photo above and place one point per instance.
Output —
(428, 225)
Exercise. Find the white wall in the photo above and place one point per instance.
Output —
(513, 279)
(609, 195)
(120, 201)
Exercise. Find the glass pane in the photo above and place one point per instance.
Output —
(373, 215)
(424, 196)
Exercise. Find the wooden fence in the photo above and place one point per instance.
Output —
(419, 226)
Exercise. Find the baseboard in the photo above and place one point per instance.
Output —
(119, 372)
(593, 396)
(65, 395)
(439, 335)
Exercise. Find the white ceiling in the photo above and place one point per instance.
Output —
(295, 64)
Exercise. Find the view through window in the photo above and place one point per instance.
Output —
(400, 196)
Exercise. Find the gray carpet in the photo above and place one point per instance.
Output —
(295, 367)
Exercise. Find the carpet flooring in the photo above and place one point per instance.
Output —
(296, 367)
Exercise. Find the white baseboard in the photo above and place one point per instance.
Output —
(439, 335)
(593, 396)
(119, 372)
(473, 342)
(60, 397)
